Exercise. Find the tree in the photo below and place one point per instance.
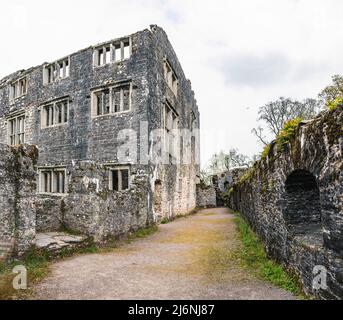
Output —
(236, 159)
(221, 162)
(205, 177)
(259, 133)
(275, 114)
(333, 93)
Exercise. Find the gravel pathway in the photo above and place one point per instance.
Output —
(190, 258)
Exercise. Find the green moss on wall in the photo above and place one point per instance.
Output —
(266, 151)
(288, 133)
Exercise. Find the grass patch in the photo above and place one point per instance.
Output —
(164, 221)
(142, 233)
(180, 216)
(69, 231)
(254, 257)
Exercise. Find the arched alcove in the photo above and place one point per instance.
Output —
(158, 196)
(302, 211)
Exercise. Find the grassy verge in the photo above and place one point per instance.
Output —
(253, 257)
(180, 216)
(37, 262)
(142, 233)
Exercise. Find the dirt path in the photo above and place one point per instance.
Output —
(190, 258)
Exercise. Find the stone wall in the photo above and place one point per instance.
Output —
(17, 198)
(92, 209)
(206, 196)
(224, 181)
(177, 181)
(293, 200)
(89, 207)
(49, 213)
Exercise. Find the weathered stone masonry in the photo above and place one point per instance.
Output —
(79, 147)
(293, 199)
(17, 198)
(206, 196)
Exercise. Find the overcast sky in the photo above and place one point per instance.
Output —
(238, 54)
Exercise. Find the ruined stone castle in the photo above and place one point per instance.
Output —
(80, 138)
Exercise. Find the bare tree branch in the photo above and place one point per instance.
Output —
(258, 132)
(275, 114)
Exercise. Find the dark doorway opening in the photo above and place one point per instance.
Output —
(302, 211)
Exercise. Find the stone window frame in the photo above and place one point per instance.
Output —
(52, 72)
(193, 120)
(16, 129)
(170, 76)
(119, 169)
(54, 115)
(193, 126)
(168, 112)
(111, 88)
(53, 188)
(101, 58)
(18, 88)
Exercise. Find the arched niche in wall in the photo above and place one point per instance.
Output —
(158, 197)
(301, 207)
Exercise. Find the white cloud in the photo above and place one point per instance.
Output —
(238, 54)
